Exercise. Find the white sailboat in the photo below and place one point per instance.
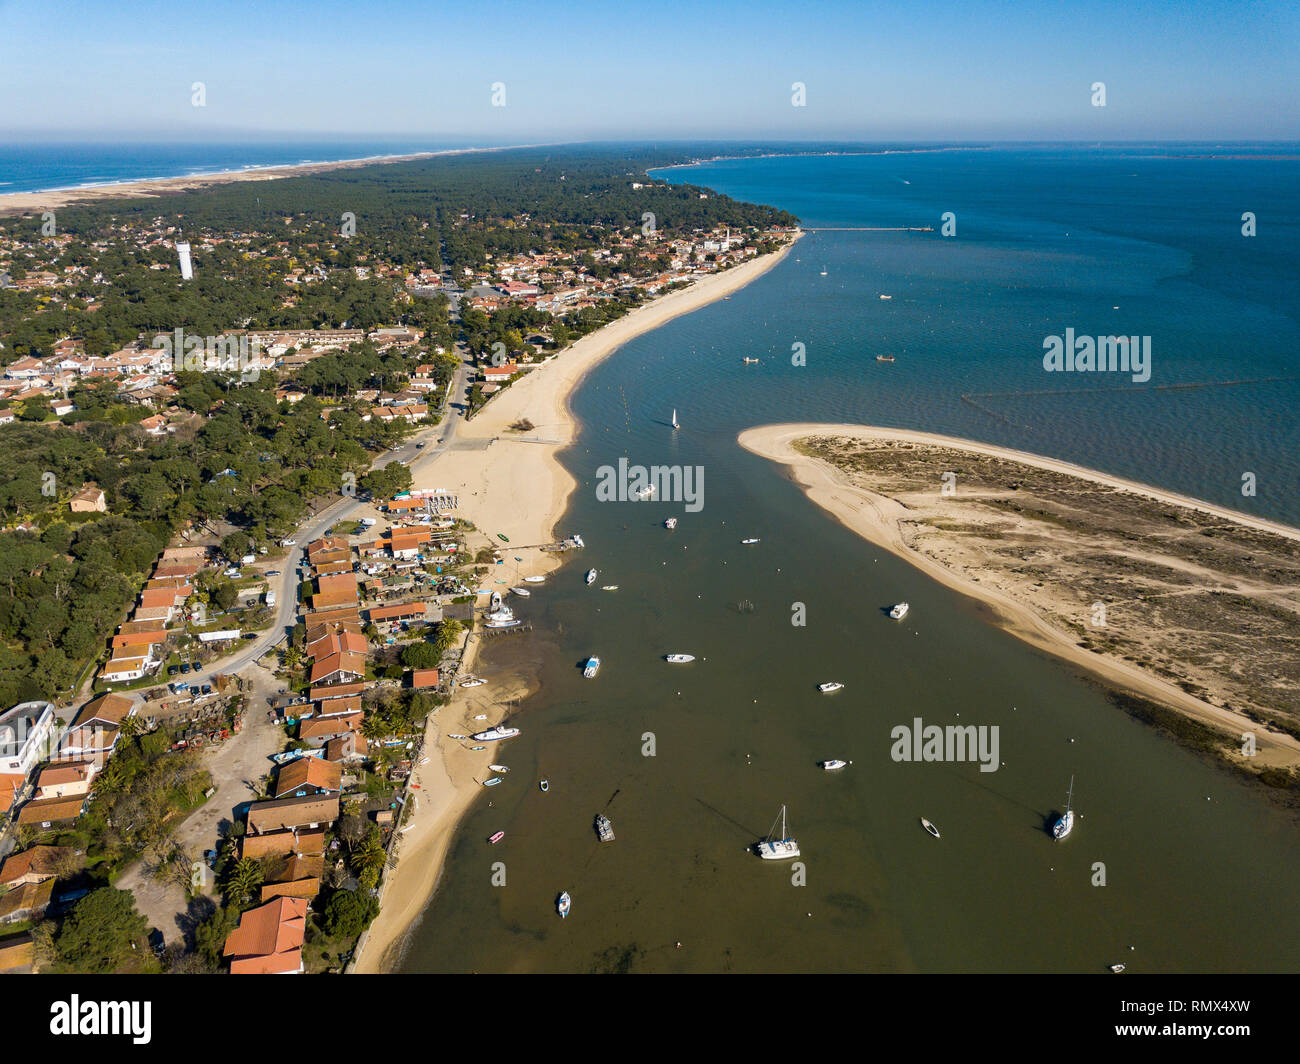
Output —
(676, 424)
(1065, 822)
(777, 847)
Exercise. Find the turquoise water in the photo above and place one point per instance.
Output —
(1192, 859)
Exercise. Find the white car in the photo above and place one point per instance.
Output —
(288, 543)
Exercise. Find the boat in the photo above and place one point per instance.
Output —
(563, 903)
(609, 587)
(671, 523)
(647, 492)
(676, 423)
(503, 769)
(492, 782)
(899, 611)
(501, 622)
(577, 540)
(495, 734)
(604, 829)
(534, 579)
(827, 688)
(523, 592)
(886, 297)
(1117, 968)
(832, 764)
(679, 659)
(497, 837)
(545, 785)
(591, 576)
(450, 736)
(777, 848)
(473, 681)
(748, 541)
(1065, 822)
(480, 716)
(884, 358)
(823, 271)
(930, 827)
(750, 361)
(591, 668)
(504, 539)
(478, 747)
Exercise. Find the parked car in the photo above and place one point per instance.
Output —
(185, 666)
(207, 688)
(172, 670)
(273, 572)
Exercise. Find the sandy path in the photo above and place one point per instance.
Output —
(510, 483)
(877, 519)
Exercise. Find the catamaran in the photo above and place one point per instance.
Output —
(679, 659)
(604, 829)
(827, 688)
(899, 611)
(1065, 822)
(591, 576)
(777, 848)
(591, 668)
(563, 903)
(493, 734)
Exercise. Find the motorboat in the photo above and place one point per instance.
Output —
(827, 688)
(563, 903)
(495, 734)
(534, 579)
(503, 769)
(522, 592)
(473, 681)
(544, 785)
(609, 587)
(679, 659)
(930, 827)
(604, 829)
(591, 576)
(833, 764)
(591, 668)
(670, 523)
(900, 611)
(492, 782)
(748, 541)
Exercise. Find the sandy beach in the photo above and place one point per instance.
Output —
(17, 203)
(509, 482)
(879, 519)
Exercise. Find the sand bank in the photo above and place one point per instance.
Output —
(884, 520)
(509, 482)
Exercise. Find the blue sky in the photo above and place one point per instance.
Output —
(584, 70)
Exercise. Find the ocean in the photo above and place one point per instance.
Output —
(1172, 860)
(39, 167)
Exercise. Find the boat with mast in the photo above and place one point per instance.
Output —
(1065, 822)
(676, 423)
(778, 847)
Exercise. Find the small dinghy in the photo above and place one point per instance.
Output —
(499, 768)
(930, 827)
(492, 782)
(522, 592)
(609, 587)
(450, 736)
(534, 579)
(563, 903)
(545, 785)
(494, 839)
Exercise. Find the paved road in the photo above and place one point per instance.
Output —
(437, 438)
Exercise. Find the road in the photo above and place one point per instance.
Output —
(437, 438)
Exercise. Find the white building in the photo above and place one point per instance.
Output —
(187, 268)
(25, 733)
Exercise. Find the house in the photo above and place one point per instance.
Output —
(88, 500)
(351, 746)
(404, 611)
(62, 779)
(306, 776)
(341, 642)
(44, 813)
(318, 731)
(36, 864)
(11, 786)
(27, 902)
(17, 954)
(333, 707)
(106, 709)
(282, 814)
(155, 425)
(268, 940)
(338, 667)
(25, 737)
(423, 678)
(499, 374)
(338, 690)
(282, 842)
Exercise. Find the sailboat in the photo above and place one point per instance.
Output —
(676, 425)
(823, 271)
(777, 847)
(1065, 823)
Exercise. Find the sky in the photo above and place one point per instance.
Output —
(582, 70)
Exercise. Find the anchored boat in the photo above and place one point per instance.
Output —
(899, 611)
(827, 688)
(776, 847)
(591, 576)
(930, 827)
(591, 668)
(604, 829)
(563, 903)
(1065, 822)
(679, 659)
(493, 734)
(833, 764)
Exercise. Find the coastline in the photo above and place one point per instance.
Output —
(878, 519)
(20, 203)
(510, 483)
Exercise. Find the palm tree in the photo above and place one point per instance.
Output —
(244, 879)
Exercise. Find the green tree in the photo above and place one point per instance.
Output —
(348, 913)
(98, 936)
(421, 656)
